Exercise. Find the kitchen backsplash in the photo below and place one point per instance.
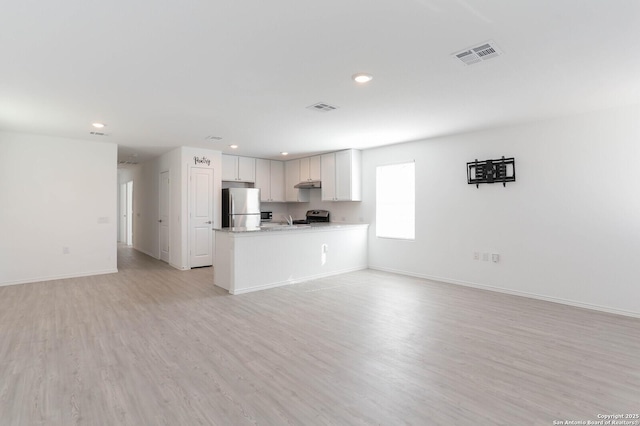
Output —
(347, 211)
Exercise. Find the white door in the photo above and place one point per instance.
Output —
(129, 213)
(163, 216)
(122, 237)
(201, 217)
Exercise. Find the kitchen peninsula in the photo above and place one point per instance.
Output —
(274, 256)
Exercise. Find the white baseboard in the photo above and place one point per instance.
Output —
(512, 292)
(180, 268)
(59, 277)
(295, 281)
(146, 252)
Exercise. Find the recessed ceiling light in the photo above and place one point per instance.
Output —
(362, 77)
(284, 153)
(98, 125)
(233, 146)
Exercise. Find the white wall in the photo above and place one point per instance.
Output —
(567, 230)
(56, 193)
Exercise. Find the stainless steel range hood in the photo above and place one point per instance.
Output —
(309, 184)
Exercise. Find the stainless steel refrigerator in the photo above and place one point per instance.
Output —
(241, 208)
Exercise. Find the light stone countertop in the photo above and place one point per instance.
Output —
(271, 227)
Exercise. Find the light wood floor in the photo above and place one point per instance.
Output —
(155, 346)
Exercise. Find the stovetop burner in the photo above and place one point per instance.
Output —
(314, 216)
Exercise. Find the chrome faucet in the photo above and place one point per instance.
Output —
(289, 220)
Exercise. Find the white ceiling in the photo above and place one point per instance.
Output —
(164, 73)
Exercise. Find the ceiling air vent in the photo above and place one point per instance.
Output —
(479, 53)
(98, 134)
(213, 138)
(127, 162)
(322, 107)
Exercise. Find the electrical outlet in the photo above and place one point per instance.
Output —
(495, 257)
(65, 250)
(476, 255)
(485, 257)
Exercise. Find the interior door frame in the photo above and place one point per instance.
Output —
(125, 214)
(129, 210)
(122, 213)
(168, 195)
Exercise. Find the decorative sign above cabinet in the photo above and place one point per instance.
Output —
(491, 171)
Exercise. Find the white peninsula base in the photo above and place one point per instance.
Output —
(258, 260)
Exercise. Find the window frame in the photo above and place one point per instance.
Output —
(412, 202)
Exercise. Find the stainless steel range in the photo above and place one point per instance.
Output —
(314, 216)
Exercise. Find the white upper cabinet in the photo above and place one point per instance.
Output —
(277, 181)
(310, 169)
(246, 169)
(292, 177)
(270, 180)
(238, 169)
(329, 177)
(349, 175)
(263, 178)
(229, 167)
(342, 176)
(340, 173)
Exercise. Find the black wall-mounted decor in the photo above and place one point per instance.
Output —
(491, 171)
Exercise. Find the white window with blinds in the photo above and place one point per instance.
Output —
(396, 201)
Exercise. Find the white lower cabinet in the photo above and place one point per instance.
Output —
(257, 260)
